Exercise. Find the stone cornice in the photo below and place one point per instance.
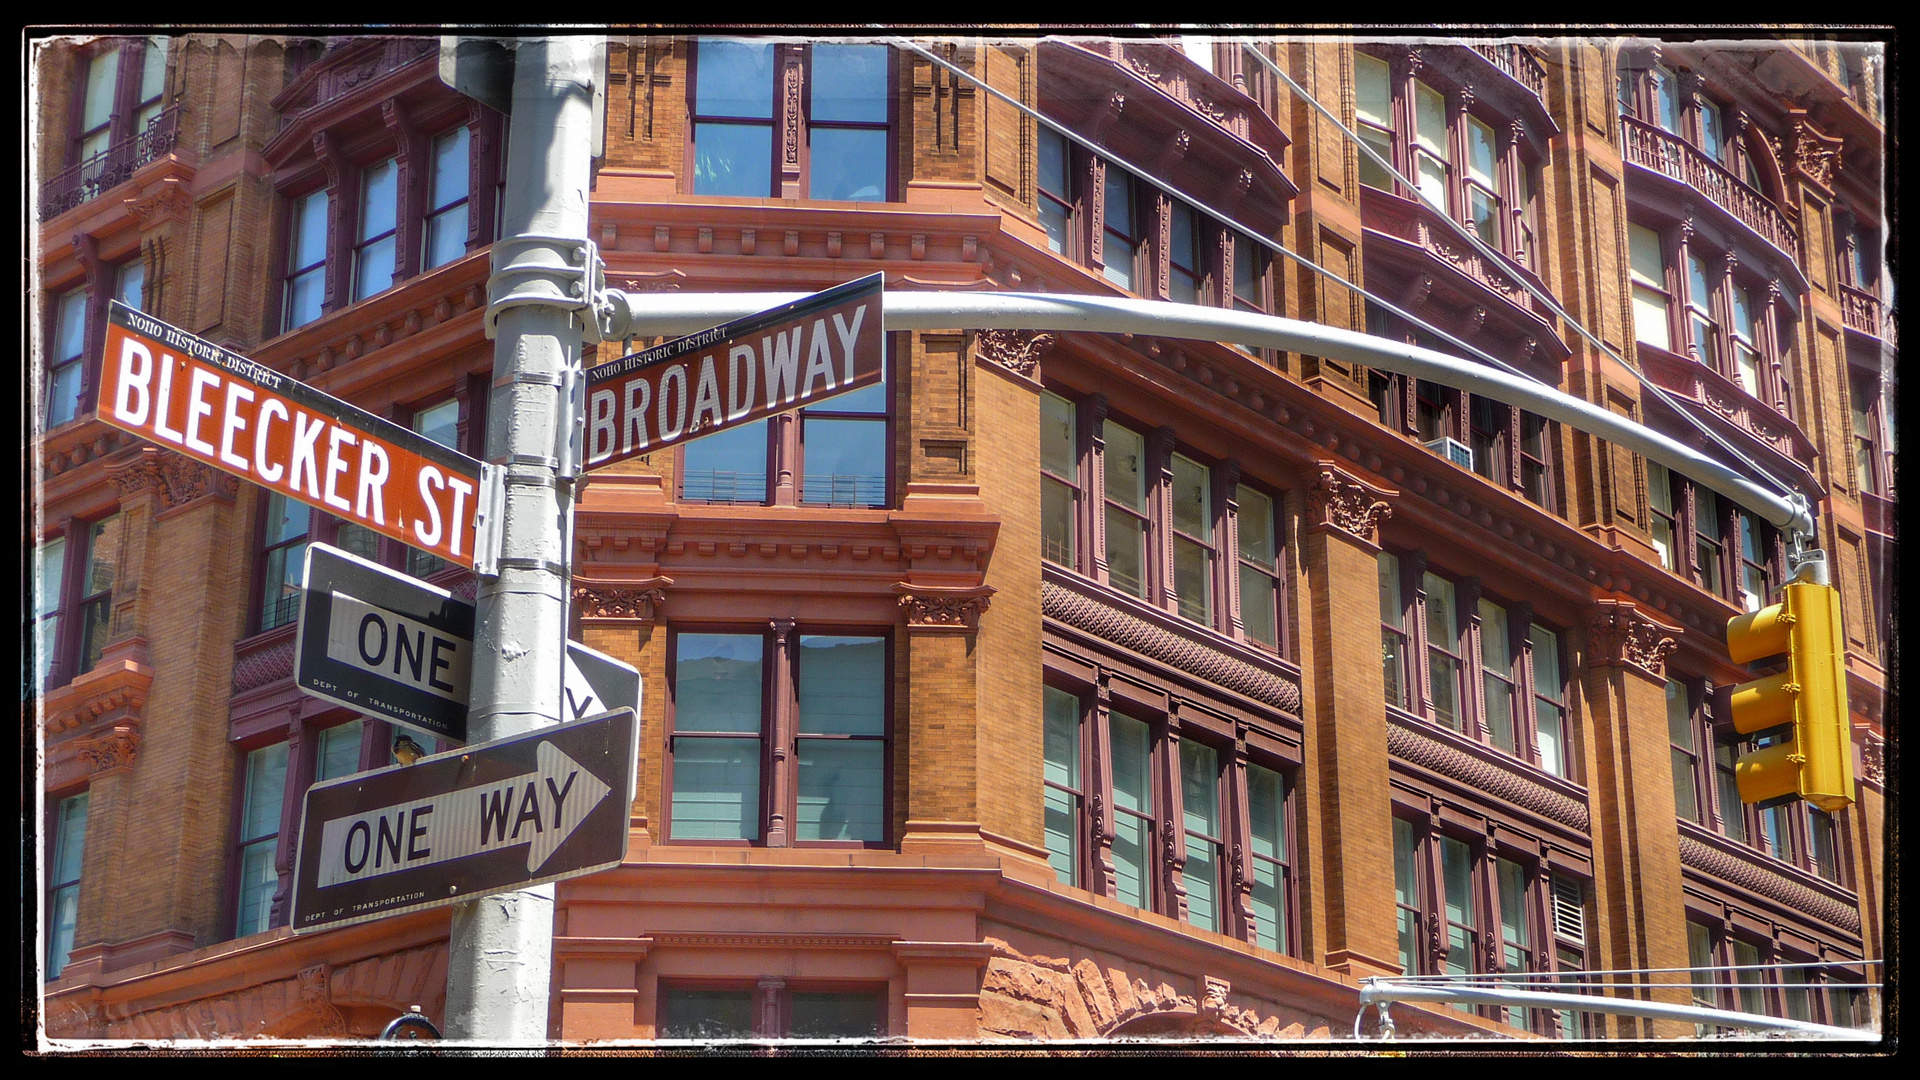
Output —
(1089, 614)
(1717, 857)
(1503, 782)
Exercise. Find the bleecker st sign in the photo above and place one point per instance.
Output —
(783, 358)
(194, 397)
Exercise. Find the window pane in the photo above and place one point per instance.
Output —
(849, 82)
(848, 164)
(70, 840)
(1430, 118)
(1257, 606)
(1406, 896)
(281, 602)
(1126, 552)
(705, 1014)
(735, 78)
(1496, 650)
(258, 879)
(1751, 997)
(1680, 734)
(378, 207)
(1650, 318)
(52, 562)
(358, 539)
(842, 685)
(1513, 903)
(373, 267)
(1117, 250)
(728, 466)
(733, 159)
(846, 462)
(70, 328)
(1373, 175)
(1390, 605)
(1057, 454)
(1131, 848)
(1266, 798)
(1201, 876)
(131, 286)
(446, 236)
(1648, 261)
(339, 751)
(266, 783)
(65, 915)
(1192, 509)
(1825, 855)
(450, 161)
(1182, 250)
(441, 423)
(1193, 580)
(1053, 179)
(716, 789)
(310, 230)
(1372, 91)
(1481, 148)
(1131, 758)
(1199, 787)
(305, 295)
(1126, 467)
(1456, 871)
(1062, 738)
(837, 1016)
(1269, 906)
(1256, 526)
(717, 684)
(1056, 522)
(842, 790)
(103, 77)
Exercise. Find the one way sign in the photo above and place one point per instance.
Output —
(552, 803)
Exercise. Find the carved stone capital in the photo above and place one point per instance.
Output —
(638, 601)
(110, 753)
(1620, 634)
(174, 479)
(1016, 350)
(1339, 500)
(936, 609)
(168, 201)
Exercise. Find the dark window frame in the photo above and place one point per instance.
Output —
(779, 734)
(770, 1004)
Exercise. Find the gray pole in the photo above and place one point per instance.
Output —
(500, 956)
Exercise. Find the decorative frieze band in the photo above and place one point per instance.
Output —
(929, 608)
(1111, 624)
(1766, 882)
(1620, 633)
(1339, 500)
(1416, 748)
(639, 601)
(1016, 350)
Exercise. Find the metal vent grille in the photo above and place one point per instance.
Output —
(1569, 909)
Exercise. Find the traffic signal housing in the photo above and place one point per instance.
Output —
(1816, 763)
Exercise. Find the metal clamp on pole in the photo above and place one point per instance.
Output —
(522, 277)
(411, 1026)
(489, 513)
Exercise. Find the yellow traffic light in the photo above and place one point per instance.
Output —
(1816, 763)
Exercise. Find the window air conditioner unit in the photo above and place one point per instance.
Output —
(1453, 450)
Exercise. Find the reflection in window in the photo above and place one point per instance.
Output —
(842, 740)
(716, 773)
(306, 284)
(374, 255)
(446, 232)
(67, 370)
(63, 879)
(847, 124)
(733, 118)
(266, 781)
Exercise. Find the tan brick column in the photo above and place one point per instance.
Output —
(943, 803)
(1642, 920)
(1349, 831)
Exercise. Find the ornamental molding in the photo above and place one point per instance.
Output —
(931, 608)
(1506, 785)
(166, 201)
(1620, 633)
(1873, 759)
(1767, 882)
(1129, 631)
(110, 753)
(1016, 350)
(174, 479)
(638, 601)
(1339, 500)
(306, 1005)
(1032, 997)
(756, 940)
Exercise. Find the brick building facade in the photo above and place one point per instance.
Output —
(1069, 685)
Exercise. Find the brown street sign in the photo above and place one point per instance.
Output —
(219, 408)
(783, 358)
(544, 805)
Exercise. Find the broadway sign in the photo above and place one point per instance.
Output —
(783, 358)
(226, 411)
(548, 804)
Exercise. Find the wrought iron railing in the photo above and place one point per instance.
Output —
(1667, 154)
(1860, 310)
(110, 167)
(1517, 60)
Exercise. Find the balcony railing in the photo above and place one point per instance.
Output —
(1860, 310)
(110, 167)
(1517, 60)
(1667, 154)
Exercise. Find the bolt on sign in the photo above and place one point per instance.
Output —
(540, 806)
(191, 396)
(780, 359)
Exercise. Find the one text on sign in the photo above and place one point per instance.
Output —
(784, 358)
(192, 396)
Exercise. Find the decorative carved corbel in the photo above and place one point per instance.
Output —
(1339, 500)
(1018, 351)
(936, 609)
(639, 601)
(110, 753)
(1619, 633)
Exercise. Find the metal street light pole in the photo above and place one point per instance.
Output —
(500, 956)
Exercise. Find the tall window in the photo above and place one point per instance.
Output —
(1059, 479)
(1065, 794)
(1373, 101)
(1665, 523)
(283, 559)
(446, 232)
(1128, 522)
(845, 125)
(1863, 395)
(50, 566)
(338, 751)
(1709, 548)
(1121, 243)
(1652, 296)
(1131, 748)
(94, 607)
(1756, 584)
(1260, 610)
(1205, 870)
(1056, 198)
(1516, 663)
(378, 245)
(124, 84)
(259, 834)
(306, 282)
(1184, 260)
(66, 362)
(1193, 549)
(441, 423)
(1430, 154)
(63, 879)
(734, 694)
(1682, 736)
(1704, 327)
(1272, 867)
(1483, 197)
